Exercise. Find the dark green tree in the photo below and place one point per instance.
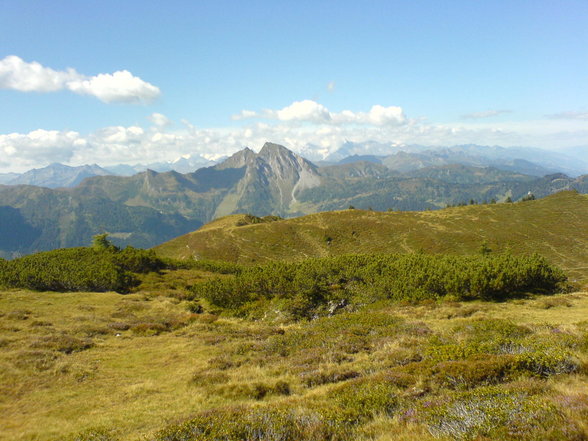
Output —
(100, 242)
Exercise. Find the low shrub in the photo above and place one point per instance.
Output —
(496, 413)
(62, 343)
(147, 329)
(256, 391)
(315, 287)
(334, 419)
(486, 370)
(360, 400)
(208, 265)
(320, 377)
(284, 423)
(94, 435)
(209, 378)
(97, 268)
(547, 361)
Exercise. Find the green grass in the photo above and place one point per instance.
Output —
(76, 362)
(556, 227)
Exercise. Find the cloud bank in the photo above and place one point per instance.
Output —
(571, 115)
(118, 87)
(307, 127)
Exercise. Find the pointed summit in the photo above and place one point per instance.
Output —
(282, 159)
(271, 180)
(269, 148)
(237, 160)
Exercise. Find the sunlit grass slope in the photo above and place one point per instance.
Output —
(555, 227)
(103, 366)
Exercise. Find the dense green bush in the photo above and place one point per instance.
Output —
(213, 266)
(321, 286)
(99, 268)
(137, 260)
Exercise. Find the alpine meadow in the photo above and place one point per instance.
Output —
(293, 221)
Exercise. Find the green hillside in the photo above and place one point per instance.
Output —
(149, 208)
(555, 227)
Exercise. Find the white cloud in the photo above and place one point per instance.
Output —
(581, 116)
(16, 74)
(385, 127)
(39, 147)
(159, 120)
(310, 111)
(484, 114)
(120, 86)
(306, 110)
(245, 114)
(378, 115)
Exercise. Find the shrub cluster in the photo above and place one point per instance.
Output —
(497, 413)
(79, 269)
(333, 419)
(250, 219)
(323, 285)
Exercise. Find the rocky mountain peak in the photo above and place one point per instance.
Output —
(271, 149)
(240, 159)
(271, 181)
(280, 159)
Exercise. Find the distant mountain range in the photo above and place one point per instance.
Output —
(150, 207)
(530, 161)
(58, 175)
(183, 164)
(527, 160)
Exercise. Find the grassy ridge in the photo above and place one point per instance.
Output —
(555, 227)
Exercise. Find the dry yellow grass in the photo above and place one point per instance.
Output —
(135, 384)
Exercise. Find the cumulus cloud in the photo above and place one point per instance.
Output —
(310, 111)
(16, 74)
(378, 116)
(118, 87)
(39, 147)
(306, 110)
(484, 114)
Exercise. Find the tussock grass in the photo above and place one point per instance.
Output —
(73, 367)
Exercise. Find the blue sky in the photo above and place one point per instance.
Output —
(151, 81)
